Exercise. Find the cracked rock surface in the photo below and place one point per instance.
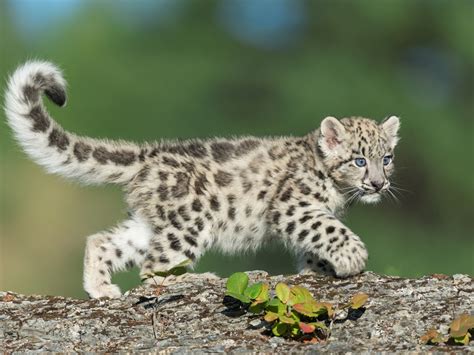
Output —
(188, 317)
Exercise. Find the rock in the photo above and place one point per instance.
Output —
(190, 317)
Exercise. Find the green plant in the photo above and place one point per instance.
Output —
(460, 332)
(292, 312)
(177, 270)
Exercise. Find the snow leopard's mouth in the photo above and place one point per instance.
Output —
(370, 192)
(370, 196)
(365, 195)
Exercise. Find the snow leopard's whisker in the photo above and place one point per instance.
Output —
(394, 197)
(396, 191)
(351, 191)
(397, 187)
(354, 197)
(390, 198)
(351, 194)
(348, 200)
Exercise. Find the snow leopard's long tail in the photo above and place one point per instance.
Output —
(46, 142)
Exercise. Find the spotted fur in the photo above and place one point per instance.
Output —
(233, 194)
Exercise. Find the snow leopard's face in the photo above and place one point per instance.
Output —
(358, 154)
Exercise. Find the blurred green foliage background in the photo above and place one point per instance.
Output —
(144, 70)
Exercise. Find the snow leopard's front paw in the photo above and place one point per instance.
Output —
(109, 291)
(349, 258)
(344, 257)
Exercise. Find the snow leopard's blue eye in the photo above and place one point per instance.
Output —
(360, 162)
(387, 159)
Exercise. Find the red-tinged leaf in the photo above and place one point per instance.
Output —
(282, 292)
(270, 317)
(306, 328)
(305, 309)
(358, 300)
(8, 297)
(461, 325)
(311, 308)
(158, 290)
(432, 336)
(313, 340)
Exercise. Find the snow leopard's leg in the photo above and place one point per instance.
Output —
(324, 243)
(310, 263)
(333, 248)
(116, 249)
(172, 243)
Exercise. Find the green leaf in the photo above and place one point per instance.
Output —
(275, 305)
(240, 297)
(237, 283)
(184, 263)
(256, 307)
(358, 300)
(146, 276)
(270, 317)
(295, 315)
(294, 330)
(258, 293)
(283, 292)
(254, 290)
(461, 325)
(263, 295)
(299, 294)
(280, 329)
(177, 270)
(284, 319)
(462, 340)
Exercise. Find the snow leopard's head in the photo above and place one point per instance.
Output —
(358, 154)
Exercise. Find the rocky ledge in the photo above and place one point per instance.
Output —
(190, 317)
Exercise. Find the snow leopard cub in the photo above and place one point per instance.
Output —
(233, 194)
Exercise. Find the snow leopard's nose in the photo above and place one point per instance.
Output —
(377, 185)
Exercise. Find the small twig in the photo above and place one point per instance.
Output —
(154, 323)
(330, 328)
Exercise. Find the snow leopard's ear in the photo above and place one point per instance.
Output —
(332, 135)
(391, 125)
